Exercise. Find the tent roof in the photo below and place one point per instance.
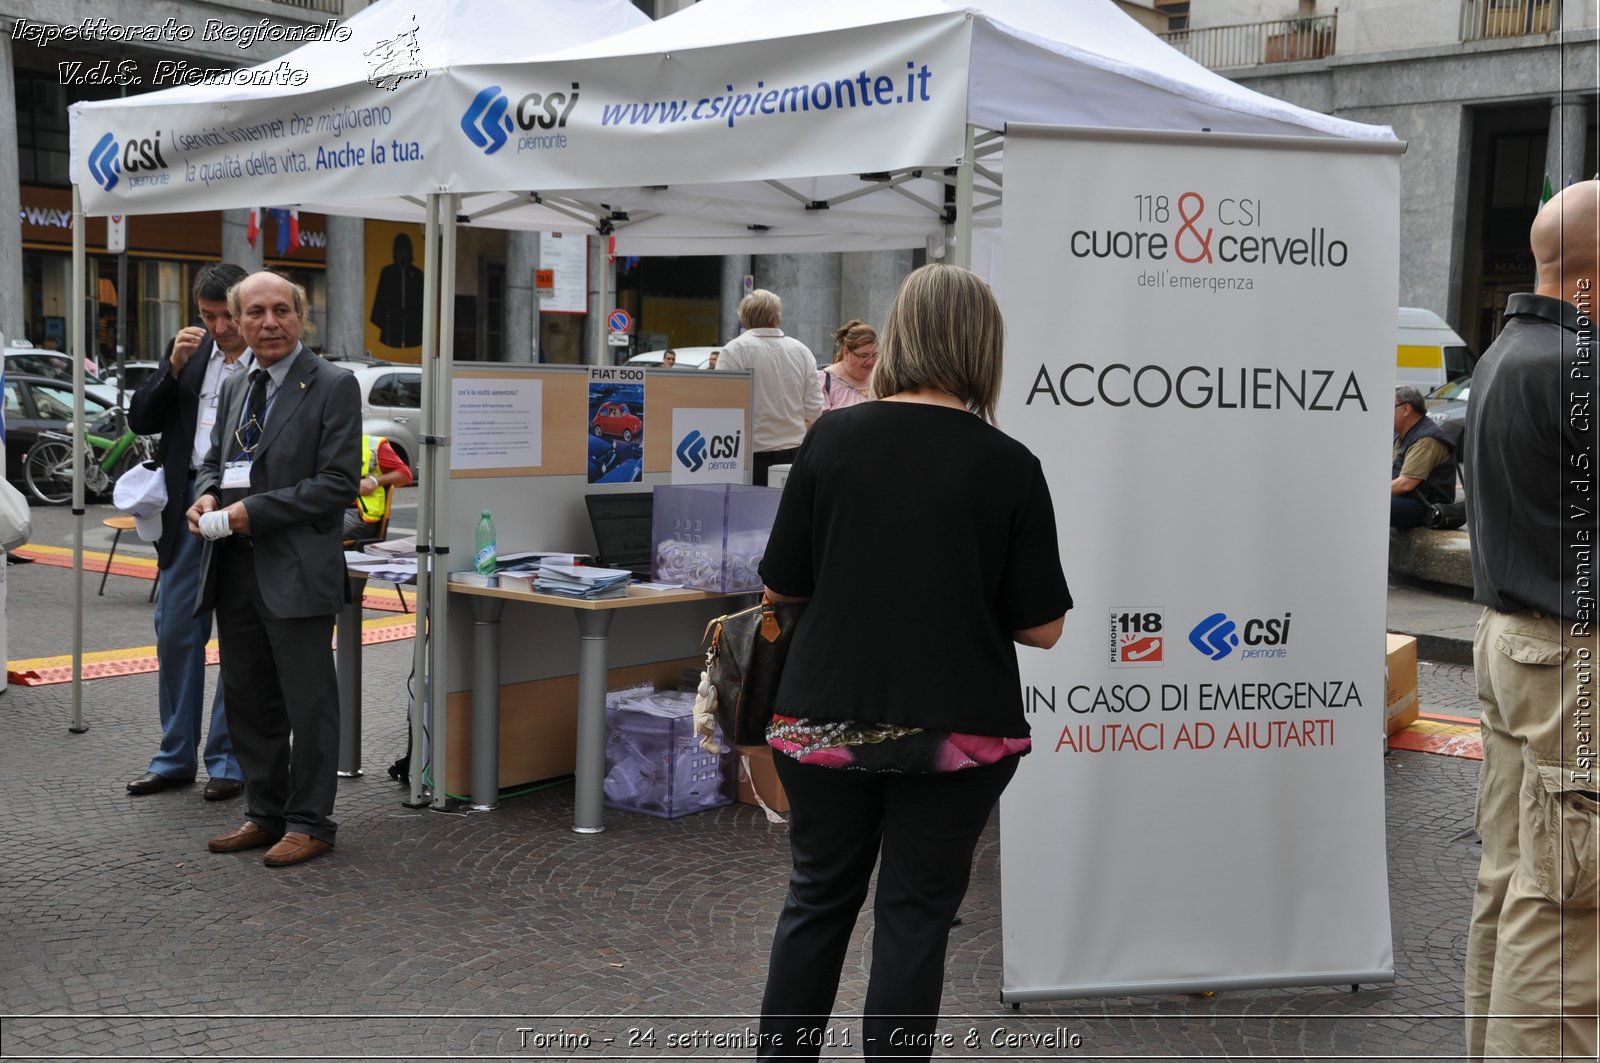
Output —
(412, 38)
(791, 171)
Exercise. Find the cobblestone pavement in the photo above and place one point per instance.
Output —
(505, 935)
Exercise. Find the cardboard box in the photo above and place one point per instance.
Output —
(1400, 672)
(763, 775)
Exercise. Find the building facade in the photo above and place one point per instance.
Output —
(56, 53)
(1494, 98)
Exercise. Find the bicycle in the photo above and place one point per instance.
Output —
(112, 448)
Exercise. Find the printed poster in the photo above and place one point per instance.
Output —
(616, 425)
(562, 280)
(497, 423)
(1201, 354)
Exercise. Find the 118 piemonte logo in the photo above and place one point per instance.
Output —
(1136, 636)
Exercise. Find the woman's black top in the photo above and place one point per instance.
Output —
(924, 537)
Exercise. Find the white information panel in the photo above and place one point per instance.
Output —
(1201, 352)
(708, 446)
(497, 424)
(566, 256)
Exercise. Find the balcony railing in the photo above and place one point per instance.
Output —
(1484, 19)
(1281, 40)
(327, 7)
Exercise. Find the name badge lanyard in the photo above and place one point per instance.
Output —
(248, 435)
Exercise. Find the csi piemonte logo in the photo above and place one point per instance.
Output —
(541, 117)
(138, 158)
(1218, 635)
(484, 117)
(692, 451)
(103, 163)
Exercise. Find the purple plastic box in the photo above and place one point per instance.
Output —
(654, 763)
(710, 537)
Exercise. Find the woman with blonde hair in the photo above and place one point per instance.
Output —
(855, 352)
(899, 717)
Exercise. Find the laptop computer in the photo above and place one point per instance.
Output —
(623, 530)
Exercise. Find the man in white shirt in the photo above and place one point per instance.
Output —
(180, 402)
(785, 394)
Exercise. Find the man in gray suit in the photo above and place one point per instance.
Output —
(270, 502)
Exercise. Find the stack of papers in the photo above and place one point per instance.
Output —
(390, 569)
(582, 581)
(531, 559)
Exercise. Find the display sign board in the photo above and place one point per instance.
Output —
(566, 257)
(1202, 356)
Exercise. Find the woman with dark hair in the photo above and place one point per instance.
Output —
(894, 747)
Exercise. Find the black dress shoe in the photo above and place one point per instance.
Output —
(223, 789)
(151, 783)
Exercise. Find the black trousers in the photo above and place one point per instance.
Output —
(926, 827)
(278, 680)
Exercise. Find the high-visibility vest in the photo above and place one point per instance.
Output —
(372, 506)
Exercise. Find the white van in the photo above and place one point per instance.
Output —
(1428, 352)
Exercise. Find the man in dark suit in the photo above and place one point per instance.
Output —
(180, 402)
(270, 503)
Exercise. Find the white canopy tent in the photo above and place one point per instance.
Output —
(734, 126)
(377, 53)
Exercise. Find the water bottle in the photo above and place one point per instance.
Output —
(483, 560)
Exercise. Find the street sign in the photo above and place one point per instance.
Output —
(619, 321)
(617, 339)
(117, 233)
(749, 283)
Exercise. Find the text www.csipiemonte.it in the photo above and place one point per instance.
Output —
(862, 89)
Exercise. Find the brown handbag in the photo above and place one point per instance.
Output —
(743, 665)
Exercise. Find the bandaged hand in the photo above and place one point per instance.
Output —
(215, 525)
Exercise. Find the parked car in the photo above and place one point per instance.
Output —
(616, 419)
(23, 357)
(35, 404)
(133, 374)
(688, 357)
(1448, 402)
(391, 405)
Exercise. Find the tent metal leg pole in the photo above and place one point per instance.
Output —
(423, 695)
(601, 313)
(964, 179)
(444, 210)
(78, 310)
(347, 657)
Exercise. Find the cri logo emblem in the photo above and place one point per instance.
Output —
(1217, 636)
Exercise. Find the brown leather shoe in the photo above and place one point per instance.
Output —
(249, 836)
(295, 848)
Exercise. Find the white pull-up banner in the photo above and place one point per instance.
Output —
(1201, 352)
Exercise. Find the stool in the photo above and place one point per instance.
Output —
(120, 525)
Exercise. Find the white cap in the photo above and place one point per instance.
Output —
(141, 493)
